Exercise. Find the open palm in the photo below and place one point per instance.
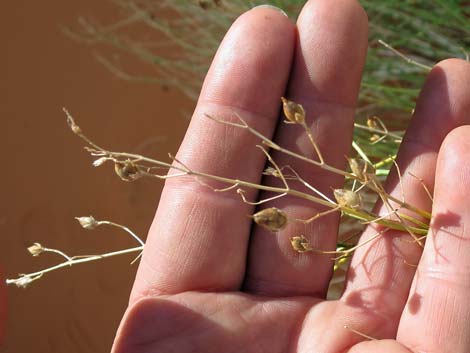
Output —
(210, 282)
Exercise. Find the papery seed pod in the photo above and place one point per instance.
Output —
(300, 244)
(272, 171)
(348, 198)
(340, 262)
(373, 122)
(361, 169)
(127, 170)
(272, 219)
(374, 138)
(36, 249)
(88, 222)
(294, 112)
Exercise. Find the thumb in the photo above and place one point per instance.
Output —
(438, 309)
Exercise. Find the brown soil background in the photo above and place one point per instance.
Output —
(47, 178)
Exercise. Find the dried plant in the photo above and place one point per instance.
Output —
(175, 60)
(87, 222)
(361, 181)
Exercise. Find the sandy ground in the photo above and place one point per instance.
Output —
(47, 178)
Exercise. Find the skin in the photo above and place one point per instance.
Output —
(210, 281)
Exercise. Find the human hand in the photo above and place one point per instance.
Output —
(208, 282)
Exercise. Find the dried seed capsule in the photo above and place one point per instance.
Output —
(36, 249)
(272, 219)
(271, 171)
(127, 170)
(373, 122)
(360, 168)
(348, 198)
(340, 262)
(294, 112)
(374, 138)
(88, 222)
(300, 244)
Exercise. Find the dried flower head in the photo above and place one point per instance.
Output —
(375, 138)
(21, 282)
(272, 171)
(294, 112)
(36, 249)
(127, 170)
(271, 218)
(373, 122)
(88, 222)
(348, 198)
(300, 244)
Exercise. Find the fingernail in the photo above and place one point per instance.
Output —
(271, 7)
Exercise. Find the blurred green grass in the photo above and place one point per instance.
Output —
(175, 41)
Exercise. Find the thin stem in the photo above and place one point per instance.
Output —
(378, 131)
(130, 232)
(61, 253)
(358, 214)
(360, 152)
(314, 144)
(404, 57)
(325, 166)
(75, 262)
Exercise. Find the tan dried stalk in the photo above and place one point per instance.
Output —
(130, 167)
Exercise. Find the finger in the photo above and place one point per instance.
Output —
(198, 239)
(328, 64)
(382, 346)
(381, 272)
(438, 310)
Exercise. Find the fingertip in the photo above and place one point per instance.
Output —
(267, 13)
(345, 13)
(452, 74)
(447, 88)
(455, 150)
(351, 7)
(270, 7)
(443, 269)
(444, 102)
(454, 65)
(453, 171)
(333, 45)
(252, 64)
(457, 138)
